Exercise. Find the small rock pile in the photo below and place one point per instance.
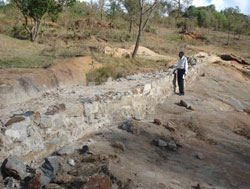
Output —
(167, 144)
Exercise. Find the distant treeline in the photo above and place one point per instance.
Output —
(169, 13)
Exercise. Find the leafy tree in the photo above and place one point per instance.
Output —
(181, 5)
(34, 12)
(221, 21)
(164, 8)
(191, 12)
(132, 8)
(115, 9)
(231, 10)
(201, 18)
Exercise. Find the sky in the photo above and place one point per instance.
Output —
(244, 5)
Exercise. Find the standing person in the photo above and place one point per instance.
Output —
(182, 70)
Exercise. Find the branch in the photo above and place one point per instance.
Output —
(151, 7)
(151, 10)
(140, 3)
(26, 25)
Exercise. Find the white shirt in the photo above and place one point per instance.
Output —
(183, 64)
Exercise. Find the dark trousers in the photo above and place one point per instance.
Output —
(180, 73)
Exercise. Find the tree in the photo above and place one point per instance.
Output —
(146, 10)
(165, 7)
(201, 18)
(34, 12)
(115, 9)
(132, 8)
(101, 5)
(180, 5)
(232, 14)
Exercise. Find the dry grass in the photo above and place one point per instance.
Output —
(16, 53)
(120, 67)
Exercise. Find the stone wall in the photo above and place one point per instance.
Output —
(56, 123)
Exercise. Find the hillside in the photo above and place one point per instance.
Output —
(77, 111)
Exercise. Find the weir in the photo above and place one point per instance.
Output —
(38, 127)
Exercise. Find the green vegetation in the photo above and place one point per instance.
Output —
(34, 11)
(228, 20)
(14, 55)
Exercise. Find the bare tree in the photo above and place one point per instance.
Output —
(146, 10)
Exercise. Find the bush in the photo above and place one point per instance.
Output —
(100, 75)
(176, 37)
(18, 31)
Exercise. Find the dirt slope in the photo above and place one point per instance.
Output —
(18, 85)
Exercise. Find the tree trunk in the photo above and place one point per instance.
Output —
(142, 24)
(139, 35)
(130, 26)
(179, 8)
(239, 35)
(228, 37)
(35, 31)
(101, 14)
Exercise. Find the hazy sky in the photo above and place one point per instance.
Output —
(244, 5)
(222, 4)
